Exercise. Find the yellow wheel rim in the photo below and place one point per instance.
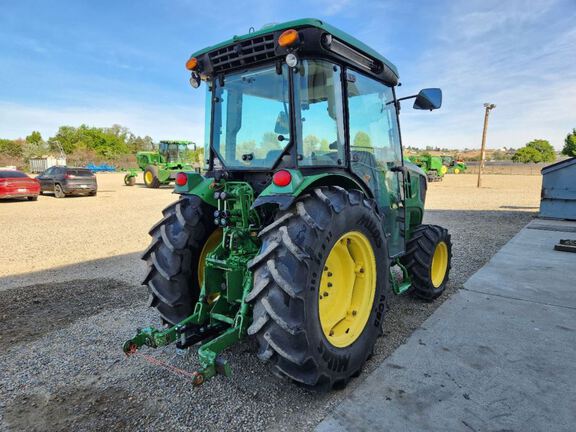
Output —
(456, 171)
(439, 265)
(148, 177)
(443, 170)
(213, 240)
(347, 287)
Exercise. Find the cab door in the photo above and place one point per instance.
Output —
(375, 151)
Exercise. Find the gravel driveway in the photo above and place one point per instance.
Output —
(62, 326)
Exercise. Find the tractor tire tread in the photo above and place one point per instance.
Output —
(279, 314)
(418, 259)
(169, 257)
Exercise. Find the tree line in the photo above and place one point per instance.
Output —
(540, 150)
(83, 142)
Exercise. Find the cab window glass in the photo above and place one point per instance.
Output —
(374, 137)
(319, 94)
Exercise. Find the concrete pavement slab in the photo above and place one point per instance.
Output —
(497, 361)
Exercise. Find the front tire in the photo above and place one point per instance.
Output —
(428, 260)
(58, 191)
(173, 258)
(291, 281)
(129, 180)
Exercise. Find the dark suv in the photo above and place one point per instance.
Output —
(68, 181)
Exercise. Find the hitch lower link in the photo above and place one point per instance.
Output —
(186, 335)
(221, 316)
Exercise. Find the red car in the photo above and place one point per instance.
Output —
(16, 184)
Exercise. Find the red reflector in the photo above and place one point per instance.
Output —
(181, 179)
(282, 178)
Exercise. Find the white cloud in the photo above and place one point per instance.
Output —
(502, 53)
(334, 7)
(159, 122)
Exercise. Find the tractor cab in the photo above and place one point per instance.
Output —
(172, 151)
(306, 97)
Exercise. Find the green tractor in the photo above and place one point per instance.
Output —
(160, 167)
(431, 165)
(307, 218)
(453, 166)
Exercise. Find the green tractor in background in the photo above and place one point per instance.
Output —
(160, 167)
(307, 217)
(453, 166)
(431, 165)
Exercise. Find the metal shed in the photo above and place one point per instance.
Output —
(558, 198)
(41, 164)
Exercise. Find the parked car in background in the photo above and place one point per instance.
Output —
(64, 181)
(16, 184)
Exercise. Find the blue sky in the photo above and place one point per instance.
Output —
(105, 62)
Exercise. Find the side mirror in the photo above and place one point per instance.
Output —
(428, 99)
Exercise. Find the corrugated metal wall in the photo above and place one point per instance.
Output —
(38, 165)
(559, 191)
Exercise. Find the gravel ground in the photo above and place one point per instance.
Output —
(62, 367)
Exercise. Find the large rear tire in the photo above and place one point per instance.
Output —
(292, 279)
(173, 257)
(151, 179)
(428, 260)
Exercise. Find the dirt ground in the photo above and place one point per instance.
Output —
(70, 295)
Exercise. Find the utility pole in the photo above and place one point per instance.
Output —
(488, 107)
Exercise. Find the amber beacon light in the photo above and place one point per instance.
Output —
(192, 63)
(288, 38)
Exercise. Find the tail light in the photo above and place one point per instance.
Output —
(69, 176)
(282, 178)
(181, 179)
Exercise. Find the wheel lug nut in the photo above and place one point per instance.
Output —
(325, 294)
(326, 268)
(354, 313)
(329, 284)
(329, 274)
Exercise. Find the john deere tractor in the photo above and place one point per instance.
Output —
(431, 165)
(453, 166)
(307, 217)
(160, 166)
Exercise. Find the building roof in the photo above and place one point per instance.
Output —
(558, 165)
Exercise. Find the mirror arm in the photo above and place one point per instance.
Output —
(407, 97)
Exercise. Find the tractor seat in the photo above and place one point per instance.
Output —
(365, 166)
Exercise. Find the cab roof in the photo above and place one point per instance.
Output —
(301, 23)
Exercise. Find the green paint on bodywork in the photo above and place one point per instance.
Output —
(200, 186)
(301, 182)
(403, 285)
(221, 308)
(305, 22)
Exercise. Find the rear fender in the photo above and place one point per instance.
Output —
(198, 185)
(284, 196)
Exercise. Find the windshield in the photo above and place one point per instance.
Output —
(172, 151)
(251, 125)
